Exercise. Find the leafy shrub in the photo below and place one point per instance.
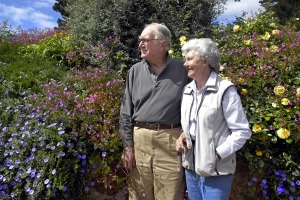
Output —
(19, 73)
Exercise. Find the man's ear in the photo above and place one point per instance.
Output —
(164, 44)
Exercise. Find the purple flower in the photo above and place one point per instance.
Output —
(46, 181)
(46, 160)
(53, 171)
(64, 188)
(35, 131)
(280, 190)
(103, 154)
(292, 183)
(53, 148)
(92, 183)
(27, 189)
(51, 125)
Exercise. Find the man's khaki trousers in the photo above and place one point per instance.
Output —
(158, 174)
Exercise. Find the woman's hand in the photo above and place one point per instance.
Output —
(181, 143)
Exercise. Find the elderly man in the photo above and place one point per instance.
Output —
(150, 119)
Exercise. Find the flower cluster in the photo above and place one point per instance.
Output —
(38, 158)
(285, 186)
(32, 36)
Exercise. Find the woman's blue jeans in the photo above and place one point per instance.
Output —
(208, 188)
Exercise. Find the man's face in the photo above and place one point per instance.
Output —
(149, 46)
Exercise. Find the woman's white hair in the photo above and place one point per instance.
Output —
(206, 49)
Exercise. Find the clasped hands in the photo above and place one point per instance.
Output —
(181, 143)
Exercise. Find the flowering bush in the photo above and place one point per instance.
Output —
(63, 142)
(262, 59)
(104, 54)
(54, 47)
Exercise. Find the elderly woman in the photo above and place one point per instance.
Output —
(213, 122)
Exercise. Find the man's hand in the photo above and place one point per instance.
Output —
(128, 158)
(181, 143)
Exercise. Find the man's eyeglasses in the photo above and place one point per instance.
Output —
(146, 40)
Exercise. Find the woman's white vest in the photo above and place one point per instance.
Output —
(211, 131)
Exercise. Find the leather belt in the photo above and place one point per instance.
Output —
(156, 125)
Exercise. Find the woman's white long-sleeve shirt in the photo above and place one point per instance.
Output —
(214, 118)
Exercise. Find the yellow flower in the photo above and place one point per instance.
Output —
(236, 28)
(182, 43)
(275, 32)
(285, 101)
(247, 42)
(222, 67)
(279, 90)
(266, 36)
(262, 138)
(273, 24)
(273, 48)
(298, 92)
(182, 38)
(256, 128)
(274, 105)
(258, 153)
(171, 51)
(283, 133)
(67, 38)
(244, 91)
(241, 80)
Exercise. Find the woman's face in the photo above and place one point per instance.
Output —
(196, 66)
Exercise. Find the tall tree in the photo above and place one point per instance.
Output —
(94, 20)
(60, 6)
